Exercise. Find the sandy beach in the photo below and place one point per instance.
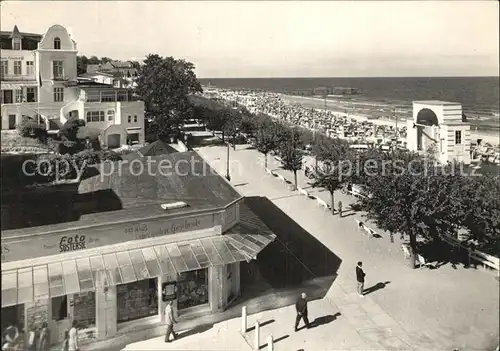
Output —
(317, 103)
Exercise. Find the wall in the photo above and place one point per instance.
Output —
(133, 108)
(18, 55)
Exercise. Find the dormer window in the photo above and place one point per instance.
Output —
(57, 43)
(16, 44)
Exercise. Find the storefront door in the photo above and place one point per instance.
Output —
(60, 318)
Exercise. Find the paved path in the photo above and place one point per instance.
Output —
(417, 310)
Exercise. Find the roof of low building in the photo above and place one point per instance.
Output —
(95, 73)
(119, 192)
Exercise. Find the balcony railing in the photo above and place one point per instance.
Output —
(18, 77)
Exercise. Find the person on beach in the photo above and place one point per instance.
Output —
(301, 307)
(169, 321)
(73, 337)
(360, 277)
(340, 208)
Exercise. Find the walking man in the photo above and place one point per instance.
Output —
(301, 307)
(169, 321)
(340, 208)
(360, 277)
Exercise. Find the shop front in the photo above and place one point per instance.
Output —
(120, 287)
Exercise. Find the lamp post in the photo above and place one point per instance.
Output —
(228, 177)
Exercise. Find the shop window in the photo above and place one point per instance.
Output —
(192, 289)
(59, 308)
(84, 309)
(95, 116)
(137, 300)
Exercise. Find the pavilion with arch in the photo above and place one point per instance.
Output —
(441, 124)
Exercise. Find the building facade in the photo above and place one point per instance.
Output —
(39, 77)
(440, 125)
(114, 276)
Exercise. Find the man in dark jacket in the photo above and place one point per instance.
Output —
(301, 307)
(360, 277)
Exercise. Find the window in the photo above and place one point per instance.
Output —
(192, 289)
(95, 116)
(17, 68)
(129, 119)
(111, 115)
(137, 300)
(7, 97)
(30, 94)
(84, 309)
(458, 137)
(135, 119)
(58, 94)
(4, 67)
(30, 67)
(58, 69)
(19, 96)
(57, 43)
(59, 308)
(16, 44)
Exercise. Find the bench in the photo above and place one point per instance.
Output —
(366, 230)
(323, 203)
(302, 191)
(484, 259)
(282, 178)
(423, 263)
(269, 171)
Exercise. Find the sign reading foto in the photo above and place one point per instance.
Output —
(14, 249)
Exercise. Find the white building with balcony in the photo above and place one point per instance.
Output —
(39, 77)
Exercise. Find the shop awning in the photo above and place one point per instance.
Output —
(84, 274)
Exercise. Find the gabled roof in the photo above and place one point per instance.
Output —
(15, 33)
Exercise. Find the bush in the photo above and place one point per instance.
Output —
(49, 168)
(91, 157)
(30, 128)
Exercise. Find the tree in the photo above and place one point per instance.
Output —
(93, 60)
(265, 139)
(106, 59)
(335, 170)
(69, 136)
(81, 64)
(291, 160)
(164, 84)
(411, 196)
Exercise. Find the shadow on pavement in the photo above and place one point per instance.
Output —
(262, 324)
(295, 257)
(275, 341)
(196, 330)
(375, 287)
(325, 320)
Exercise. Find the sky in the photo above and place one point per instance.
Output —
(281, 38)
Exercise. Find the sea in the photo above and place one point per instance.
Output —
(382, 97)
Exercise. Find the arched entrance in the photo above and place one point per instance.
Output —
(426, 119)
